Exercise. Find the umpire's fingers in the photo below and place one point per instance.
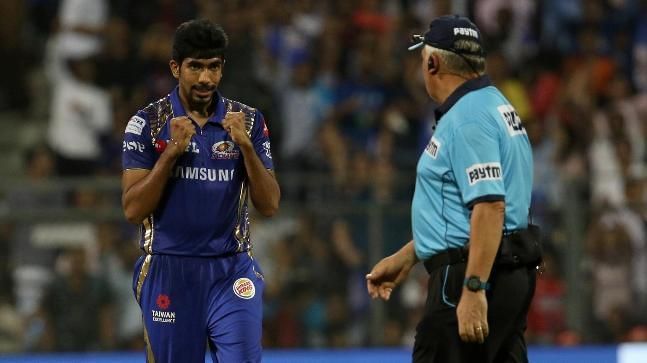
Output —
(385, 291)
(372, 285)
(486, 330)
(466, 332)
(479, 334)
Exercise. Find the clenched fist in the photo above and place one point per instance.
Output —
(182, 129)
(234, 124)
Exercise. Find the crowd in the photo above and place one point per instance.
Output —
(348, 117)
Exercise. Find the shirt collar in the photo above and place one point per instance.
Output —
(462, 90)
(217, 115)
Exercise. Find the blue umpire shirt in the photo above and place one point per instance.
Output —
(479, 152)
(203, 209)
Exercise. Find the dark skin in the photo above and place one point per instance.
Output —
(198, 80)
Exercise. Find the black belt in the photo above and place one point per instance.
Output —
(451, 256)
(519, 248)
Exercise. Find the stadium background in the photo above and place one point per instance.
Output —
(348, 117)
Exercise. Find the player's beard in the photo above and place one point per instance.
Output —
(202, 95)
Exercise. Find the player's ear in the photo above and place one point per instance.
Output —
(432, 63)
(175, 68)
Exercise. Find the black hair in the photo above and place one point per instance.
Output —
(200, 39)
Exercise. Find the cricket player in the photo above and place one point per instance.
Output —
(190, 161)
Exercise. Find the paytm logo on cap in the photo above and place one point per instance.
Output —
(466, 31)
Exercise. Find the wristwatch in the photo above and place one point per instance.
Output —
(474, 283)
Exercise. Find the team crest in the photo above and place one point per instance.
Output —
(244, 288)
(224, 150)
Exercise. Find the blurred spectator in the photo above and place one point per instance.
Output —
(640, 49)
(78, 308)
(81, 114)
(81, 22)
(303, 109)
(610, 250)
(508, 29)
(13, 93)
(78, 30)
(547, 315)
(630, 216)
(11, 322)
(33, 261)
(117, 256)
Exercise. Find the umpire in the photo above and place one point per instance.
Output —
(469, 211)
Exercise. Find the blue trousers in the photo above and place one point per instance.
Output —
(189, 302)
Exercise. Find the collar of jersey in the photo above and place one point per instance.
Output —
(462, 90)
(216, 117)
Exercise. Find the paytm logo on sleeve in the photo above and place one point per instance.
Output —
(481, 172)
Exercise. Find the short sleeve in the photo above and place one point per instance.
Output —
(138, 151)
(476, 163)
(261, 139)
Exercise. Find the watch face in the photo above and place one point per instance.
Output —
(473, 283)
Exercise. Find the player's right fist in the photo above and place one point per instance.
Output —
(182, 129)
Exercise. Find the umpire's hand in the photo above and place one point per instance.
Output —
(472, 316)
(388, 273)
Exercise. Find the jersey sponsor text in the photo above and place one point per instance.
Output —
(204, 174)
(466, 31)
(433, 147)
(135, 125)
(244, 288)
(512, 120)
(163, 316)
(134, 146)
(481, 172)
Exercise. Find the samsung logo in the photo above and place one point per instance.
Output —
(204, 174)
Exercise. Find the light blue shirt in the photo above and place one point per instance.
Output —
(479, 152)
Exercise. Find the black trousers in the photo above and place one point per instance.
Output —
(437, 339)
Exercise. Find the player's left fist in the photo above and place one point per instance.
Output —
(234, 124)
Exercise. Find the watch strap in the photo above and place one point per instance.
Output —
(483, 285)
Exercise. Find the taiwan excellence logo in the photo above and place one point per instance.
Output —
(163, 302)
(163, 315)
(224, 150)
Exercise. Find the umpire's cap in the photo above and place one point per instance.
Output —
(445, 30)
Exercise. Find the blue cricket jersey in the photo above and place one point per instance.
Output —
(479, 152)
(203, 209)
